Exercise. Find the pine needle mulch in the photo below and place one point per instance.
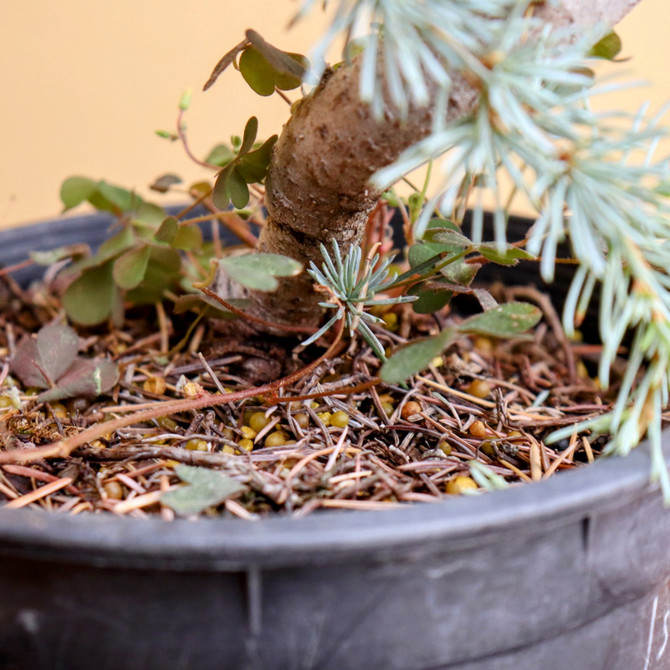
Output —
(335, 438)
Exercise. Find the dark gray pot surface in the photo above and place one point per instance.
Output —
(570, 573)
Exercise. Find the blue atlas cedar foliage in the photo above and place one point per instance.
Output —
(534, 123)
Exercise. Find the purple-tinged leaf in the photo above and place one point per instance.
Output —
(227, 59)
(486, 300)
(85, 377)
(163, 183)
(40, 360)
(278, 60)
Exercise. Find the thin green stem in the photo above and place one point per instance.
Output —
(410, 277)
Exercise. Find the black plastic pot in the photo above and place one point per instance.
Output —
(568, 573)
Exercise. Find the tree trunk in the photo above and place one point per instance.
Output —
(318, 189)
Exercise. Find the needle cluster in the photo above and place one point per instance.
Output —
(354, 283)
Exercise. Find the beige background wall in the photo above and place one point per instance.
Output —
(84, 83)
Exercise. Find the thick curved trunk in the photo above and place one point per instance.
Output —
(318, 188)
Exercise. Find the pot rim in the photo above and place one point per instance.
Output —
(283, 541)
(325, 536)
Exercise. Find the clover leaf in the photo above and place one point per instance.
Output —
(49, 361)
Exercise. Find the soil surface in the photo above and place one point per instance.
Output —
(335, 437)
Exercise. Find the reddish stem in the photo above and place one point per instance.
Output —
(255, 319)
(63, 448)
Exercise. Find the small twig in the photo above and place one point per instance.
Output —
(345, 390)
(336, 452)
(588, 449)
(283, 96)
(3, 373)
(40, 476)
(235, 223)
(7, 492)
(163, 325)
(140, 501)
(211, 373)
(535, 461)
(459, 394)
(201, 197)
(181, 132)
(562, 457)
(64, 447)
(17, 266)
(252, 318)
(39, 493)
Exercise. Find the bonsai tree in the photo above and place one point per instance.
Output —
(499, 92)
(497, 87)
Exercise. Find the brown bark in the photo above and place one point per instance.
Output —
(318, 187)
